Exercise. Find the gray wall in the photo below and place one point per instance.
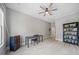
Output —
(25, 25)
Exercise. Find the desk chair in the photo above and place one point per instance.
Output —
(34, 40)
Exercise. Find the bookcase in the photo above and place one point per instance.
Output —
(71, 33)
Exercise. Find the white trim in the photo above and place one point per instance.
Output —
(1, 45)
(2, 24)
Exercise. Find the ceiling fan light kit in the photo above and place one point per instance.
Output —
(47, 13)
(47, 10)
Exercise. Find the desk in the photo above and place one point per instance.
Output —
(41, 38)
(27, 39)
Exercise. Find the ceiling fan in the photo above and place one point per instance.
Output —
(47, 10)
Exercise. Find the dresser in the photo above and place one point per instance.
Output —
(14, 42)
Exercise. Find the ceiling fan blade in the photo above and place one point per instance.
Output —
(41, 12)
(50, 4)
(44, 14)
(49, 13)
(42, 7)
(54, 9)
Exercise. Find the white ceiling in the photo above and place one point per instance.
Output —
(33, 9)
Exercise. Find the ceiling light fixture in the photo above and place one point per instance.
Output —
(47, 10)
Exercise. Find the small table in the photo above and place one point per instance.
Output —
(27, 39)
(41, 37)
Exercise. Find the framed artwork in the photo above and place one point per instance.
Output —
(0, 35)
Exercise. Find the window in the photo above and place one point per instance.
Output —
(1, 28)
(0, 35)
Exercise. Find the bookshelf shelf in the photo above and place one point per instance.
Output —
(71, 33)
